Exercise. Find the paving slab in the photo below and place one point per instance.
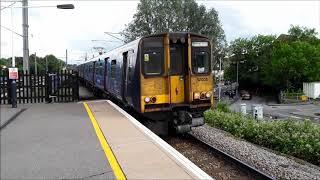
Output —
(52, 141)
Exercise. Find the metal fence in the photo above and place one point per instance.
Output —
(62, 86)
(292, 97)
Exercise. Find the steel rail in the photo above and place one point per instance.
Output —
(246, 167)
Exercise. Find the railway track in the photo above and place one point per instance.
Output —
(214, 162)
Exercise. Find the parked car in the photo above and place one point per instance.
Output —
(245, 95)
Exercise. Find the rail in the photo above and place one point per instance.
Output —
(258, 174)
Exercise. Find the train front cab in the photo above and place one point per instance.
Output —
(176, 80)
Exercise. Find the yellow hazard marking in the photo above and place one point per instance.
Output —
(106, 148)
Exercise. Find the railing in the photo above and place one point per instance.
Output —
(292, 97)
(43, 87)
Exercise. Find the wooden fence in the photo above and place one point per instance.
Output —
(62, 86)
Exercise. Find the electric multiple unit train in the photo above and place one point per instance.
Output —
(164, 77)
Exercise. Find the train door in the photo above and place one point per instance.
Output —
(177, 72)
(124, 76)
(105, 82)
(129, 78)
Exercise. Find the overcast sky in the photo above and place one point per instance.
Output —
(52, 30)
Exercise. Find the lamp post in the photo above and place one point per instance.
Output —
(25, 27)
(25, 43)
(13, 82)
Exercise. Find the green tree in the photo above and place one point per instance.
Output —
(54, 64)
(252, 55)
(302, 33)
(3, 62)
(282, 63)
(158, 16)
(292, 64)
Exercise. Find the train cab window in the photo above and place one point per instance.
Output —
(152, 62)
(113, 68)
(200, 62)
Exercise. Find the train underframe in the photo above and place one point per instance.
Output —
(176, 120)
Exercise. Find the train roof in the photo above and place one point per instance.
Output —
(176, 34)
(179, 34)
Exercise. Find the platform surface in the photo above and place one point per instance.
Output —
(60, 141)
(138, 155)
(52, 141)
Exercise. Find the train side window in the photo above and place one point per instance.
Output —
(113, 68)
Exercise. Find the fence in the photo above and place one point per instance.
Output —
(292, 97)
(43, 87)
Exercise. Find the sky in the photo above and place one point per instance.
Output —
(52, 31)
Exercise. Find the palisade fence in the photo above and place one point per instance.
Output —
(62, 86)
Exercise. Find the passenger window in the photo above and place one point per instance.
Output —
(113, 68)
(152, 63)
(200, 62)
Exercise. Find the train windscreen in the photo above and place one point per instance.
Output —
(200, 58)
(200, 62)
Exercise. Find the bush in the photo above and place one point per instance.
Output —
(222, 106)
(297, 138)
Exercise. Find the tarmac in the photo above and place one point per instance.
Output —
(281, 111)
(40, 144)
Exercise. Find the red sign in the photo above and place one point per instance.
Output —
(13, 73)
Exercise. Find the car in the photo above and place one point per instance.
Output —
(245, 95)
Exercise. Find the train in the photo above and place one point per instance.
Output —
(164, 77)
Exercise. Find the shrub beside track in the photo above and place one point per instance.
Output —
(296, 138)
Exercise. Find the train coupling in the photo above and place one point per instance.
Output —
(187, 121)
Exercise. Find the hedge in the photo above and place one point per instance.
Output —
(296, 138)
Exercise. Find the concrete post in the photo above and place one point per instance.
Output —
(25, 27)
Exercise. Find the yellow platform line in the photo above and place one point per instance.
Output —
(106, 148)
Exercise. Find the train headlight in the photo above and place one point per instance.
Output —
(196, 95)
(147, 99)
(208, 94)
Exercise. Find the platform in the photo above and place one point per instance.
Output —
(140, 153)
(91, 140)
(51, 141)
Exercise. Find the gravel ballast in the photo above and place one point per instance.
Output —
(263, 159)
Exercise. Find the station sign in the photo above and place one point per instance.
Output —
(13, 73)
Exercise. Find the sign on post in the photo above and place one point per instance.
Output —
(13, 73)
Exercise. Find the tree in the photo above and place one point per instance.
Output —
(302, 33)
(54, 64)
(282, 63)
(158, 16)
(252, 55)
(292, 64)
